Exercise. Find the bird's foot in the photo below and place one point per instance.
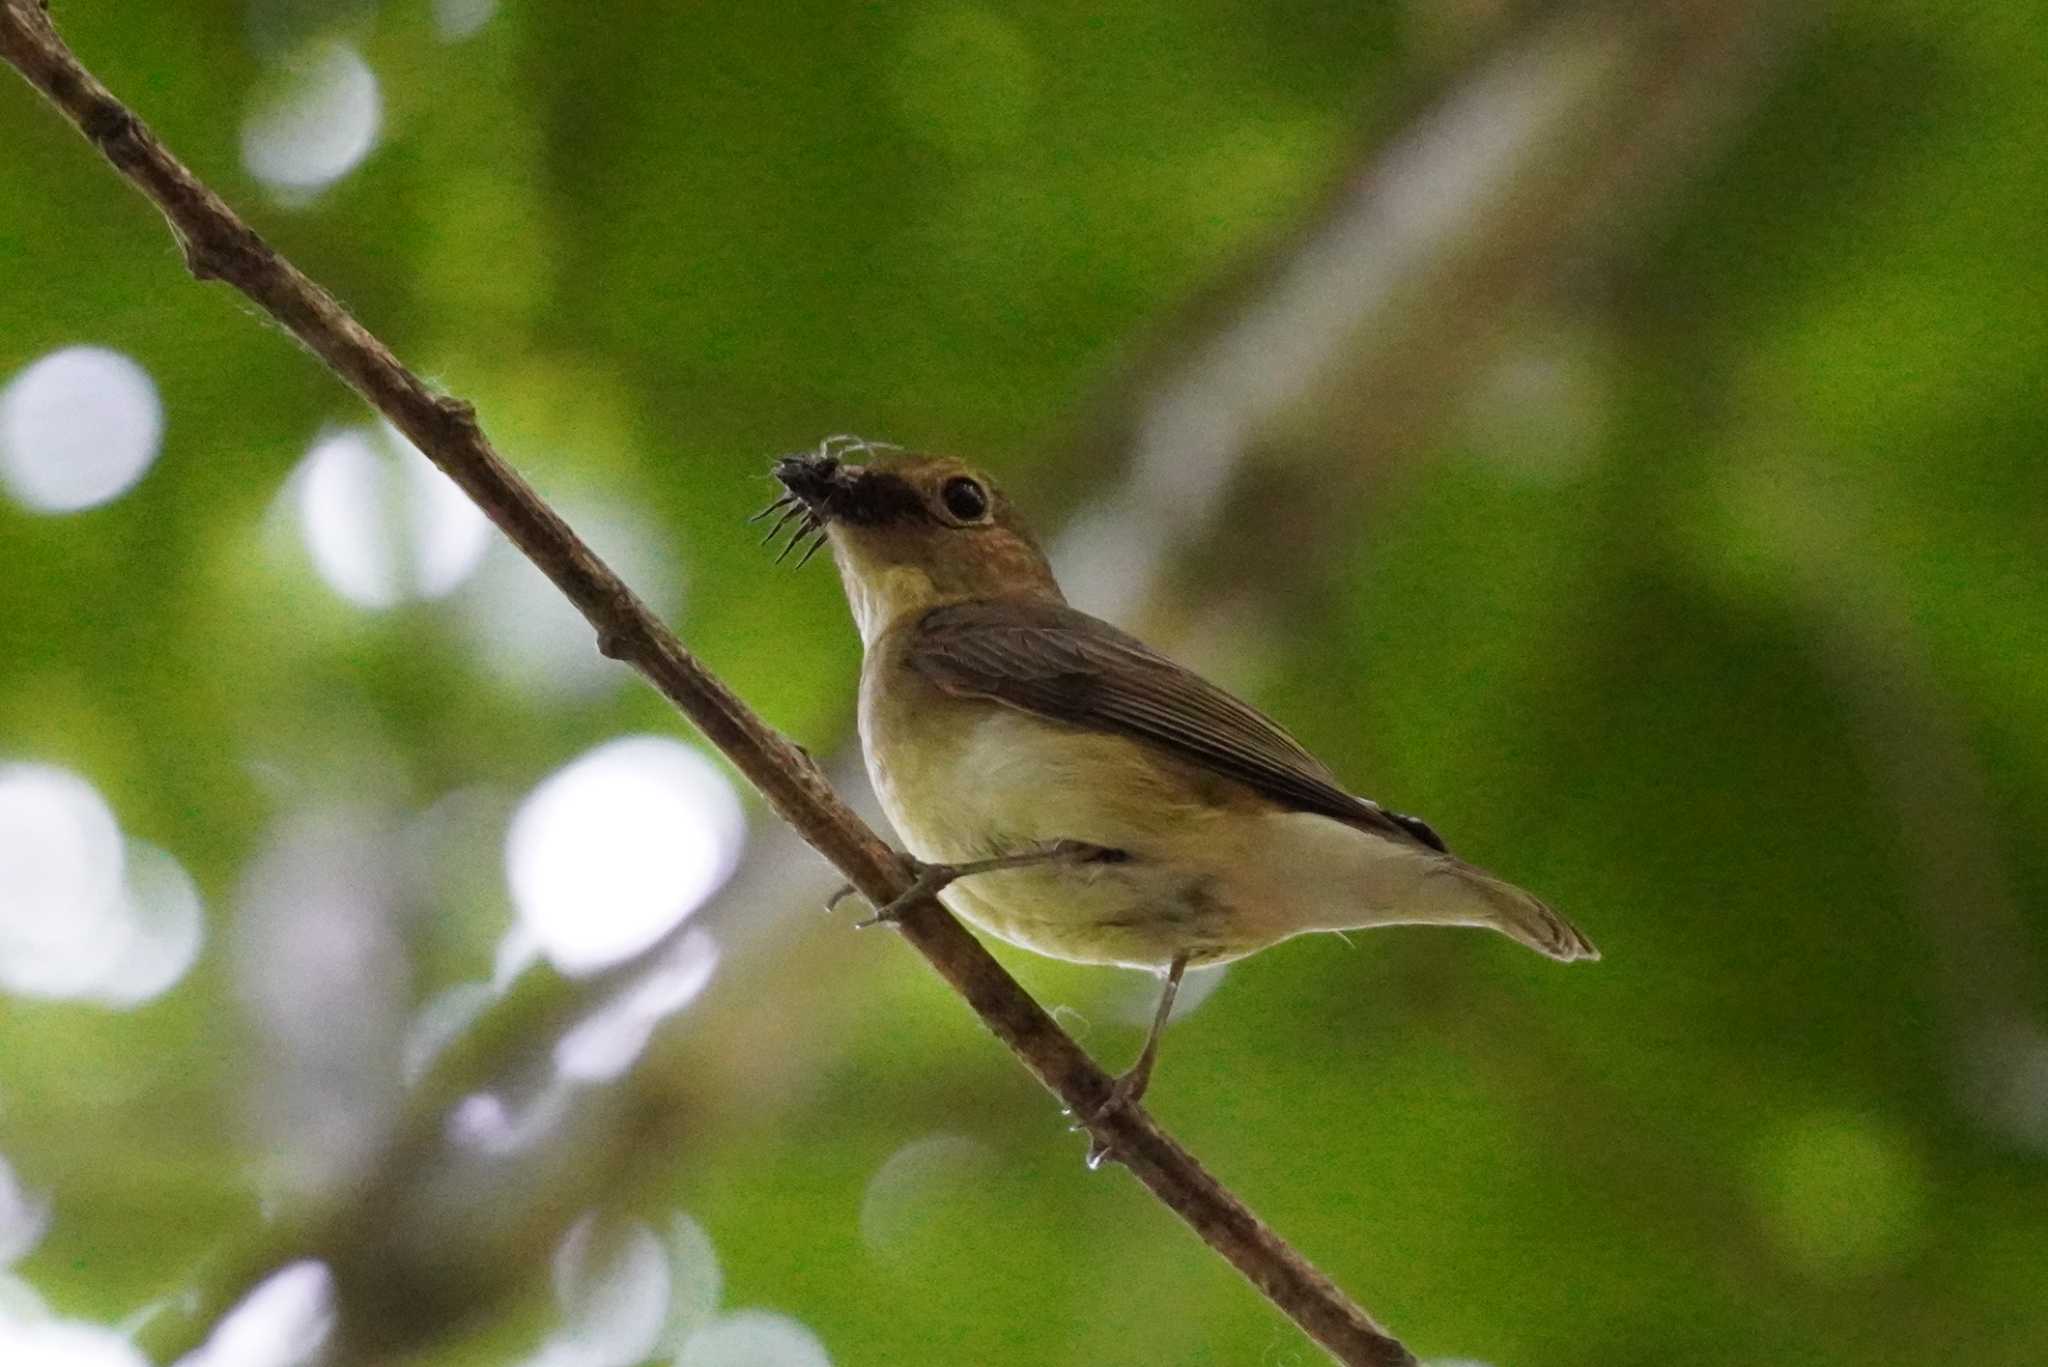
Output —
(1125, 1092)
(928, 881)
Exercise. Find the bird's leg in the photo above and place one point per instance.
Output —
(1128, 1089)
(933, 878)
(1131, 1086)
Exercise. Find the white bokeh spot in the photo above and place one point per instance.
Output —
(455, 20)
(161, 926)
(604, 1044)
(24, 1217)
(77, 428)
(696, 1281)
(317, 124)
(614, 849)
(753, 1338)
(86, 916)
(284, 1322)
(612, 1287)
(61, 863)
(483, 1121)
(381, 524)
(20, 1303)
(45, 1342)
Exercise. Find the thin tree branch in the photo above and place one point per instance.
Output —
(218, 245)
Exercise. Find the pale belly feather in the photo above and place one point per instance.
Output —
(964, 780)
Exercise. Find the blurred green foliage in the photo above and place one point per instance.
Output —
(1735, 650)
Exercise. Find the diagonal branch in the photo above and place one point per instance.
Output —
(218, 245)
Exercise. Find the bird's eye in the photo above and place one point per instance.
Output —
(965, 499)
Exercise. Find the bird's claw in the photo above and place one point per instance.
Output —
(925, 882)
(928, 881)
(1124, 1094)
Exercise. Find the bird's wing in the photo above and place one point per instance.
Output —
(1058, 662)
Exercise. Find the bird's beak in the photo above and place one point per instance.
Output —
(815, 485)
(815, 479)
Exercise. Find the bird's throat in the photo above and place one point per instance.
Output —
(881, 597)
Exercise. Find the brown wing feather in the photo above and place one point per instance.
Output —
(1058, 662)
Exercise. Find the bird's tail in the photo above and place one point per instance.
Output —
(1519, 915)
(1338, 877)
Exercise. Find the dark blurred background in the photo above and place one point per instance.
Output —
(1614, 433)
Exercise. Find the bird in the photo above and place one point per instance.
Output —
(1066, 788)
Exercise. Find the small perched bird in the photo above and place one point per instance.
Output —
(1075, 792)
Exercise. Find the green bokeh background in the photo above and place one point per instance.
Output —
(1736, 651)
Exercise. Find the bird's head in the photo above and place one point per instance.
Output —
(910, 531)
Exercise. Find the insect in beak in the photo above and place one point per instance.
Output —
(812, 481)
(791, 512)
(800, 518)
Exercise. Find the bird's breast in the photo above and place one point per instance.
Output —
(964, 778)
